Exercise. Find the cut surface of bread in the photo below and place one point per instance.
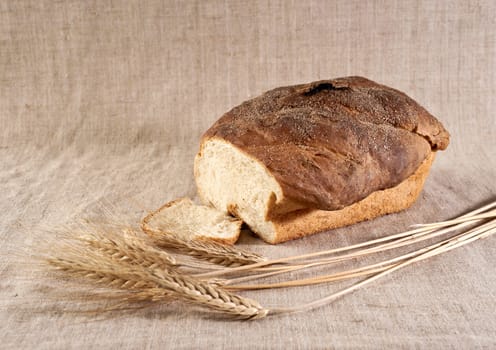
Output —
(236, 183)
(187, 220)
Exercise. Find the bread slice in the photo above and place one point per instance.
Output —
(185, 219)
(236, 183)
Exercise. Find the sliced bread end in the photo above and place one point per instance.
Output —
(187, 220)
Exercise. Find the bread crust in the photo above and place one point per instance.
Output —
(332, 143)
(309, 221)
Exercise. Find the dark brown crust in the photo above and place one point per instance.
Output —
(305, 222)
(331, 143)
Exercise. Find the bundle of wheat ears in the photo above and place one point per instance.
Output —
(156, 268)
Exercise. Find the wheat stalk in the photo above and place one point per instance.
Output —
(410, 240)
(365, 270)
(479, 233)
(434, 230)
(423, 232)
(129, 263)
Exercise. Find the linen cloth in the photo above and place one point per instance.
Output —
(104, 102)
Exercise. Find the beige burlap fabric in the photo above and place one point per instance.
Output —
(104, 101)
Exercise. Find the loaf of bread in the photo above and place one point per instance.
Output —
(308, 158)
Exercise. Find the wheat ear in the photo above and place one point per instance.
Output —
(210, 251)
(129, 248)
(150, 282)
(110, 241)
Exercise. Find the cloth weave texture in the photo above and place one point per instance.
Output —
(105, 102)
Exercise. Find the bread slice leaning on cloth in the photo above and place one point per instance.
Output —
(184, 219)
(307, 158)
